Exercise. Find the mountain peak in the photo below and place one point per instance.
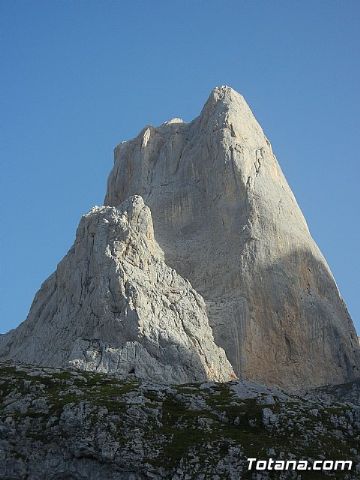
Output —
(223, 92)
(226, 109)
(113, 305)
(228, 221)
(217, 211)
(222, 98)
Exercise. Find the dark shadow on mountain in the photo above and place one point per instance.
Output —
(297, 328)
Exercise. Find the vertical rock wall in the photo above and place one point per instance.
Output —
(227, 221)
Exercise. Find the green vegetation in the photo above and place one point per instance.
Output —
(179, 424)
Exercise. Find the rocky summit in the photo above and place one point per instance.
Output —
(200, 266)
(192, 326)
(113, 305)
(228, 221)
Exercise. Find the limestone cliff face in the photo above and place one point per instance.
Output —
(227, 220)
(113, 305)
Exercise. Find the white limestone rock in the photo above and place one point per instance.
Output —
(227, 220)
(113, 305)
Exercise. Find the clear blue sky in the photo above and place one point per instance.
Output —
(77, 77)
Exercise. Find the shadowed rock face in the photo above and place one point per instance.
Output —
(227, 220)
(114, 306)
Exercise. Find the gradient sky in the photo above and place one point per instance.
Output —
(77, 77)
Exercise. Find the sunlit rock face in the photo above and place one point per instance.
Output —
(114, 306)
(227, 220)
(201, 248)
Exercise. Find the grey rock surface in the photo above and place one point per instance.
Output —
(227, 220)
(113, 305)
(57, 424)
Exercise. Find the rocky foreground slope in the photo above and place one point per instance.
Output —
(71, 425)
